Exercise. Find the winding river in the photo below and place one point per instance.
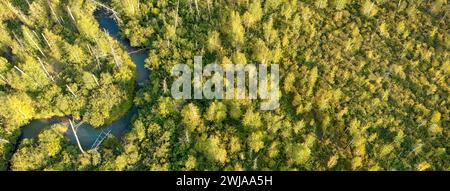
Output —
(86, 133)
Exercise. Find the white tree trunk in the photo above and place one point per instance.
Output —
(18, 40)
(35, 44)
(94, 53)
(4, 79)
(96, 81)
(70, 14)
(54, 14)
(70, 90)
(46, 41)
(76, 136)
(45, 70)
(109, 9)
(196, 7)
(116, 59)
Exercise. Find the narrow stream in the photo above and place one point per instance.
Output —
(86, 133)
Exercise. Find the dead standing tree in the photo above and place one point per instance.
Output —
(196, 8)
(177, 15)
(95, 79)
(76, 136)
(94, 53)
(100, 138)
(71, 15)
(109, 9)
(18, 40)
(117, 60)
(54, 13)
(22, 17)
(4, 79)
(34, 43)
(46, 41)
(70, 90)
(78, 125)
(45, 70)
(23, 73)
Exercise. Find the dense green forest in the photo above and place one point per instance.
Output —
(364, 84)
(55, 61)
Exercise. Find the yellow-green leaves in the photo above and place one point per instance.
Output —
(256, 141)
(214, 42)
(253, 14)
(321, 4)
(368, 8)
(17, 109)
(340, 4)
(234, 28)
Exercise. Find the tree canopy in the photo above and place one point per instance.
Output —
(364, 84)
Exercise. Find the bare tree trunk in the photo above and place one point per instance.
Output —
(78, 125)
(165, 88)
(176, 17)
(109, 9)
(18, 41)
(116, 59)
(76, 136)
(18, 69)
(208, 2)
(4, 79)
(62, 19)
(46, 41)
(70, 90)
(18, 13)
(196, 7)
(136, 51)
(54, 13)
(45, 70)
(35, 44)
(23, 73)
(90, 50)
(96, 81)
(36, 35)
(71, 16)
(94, 53)
(28, 3)
(255, 163)
(188, 140)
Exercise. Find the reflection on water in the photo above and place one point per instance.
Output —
(32, 130)
(86, 133)
(137, 55)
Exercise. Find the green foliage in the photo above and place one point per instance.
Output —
(340, 4)
(364, 85)
(48, 64)
(52, 66)
(44, 153)
(368, 8)
(217, 112)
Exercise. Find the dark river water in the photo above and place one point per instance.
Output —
(86, 133)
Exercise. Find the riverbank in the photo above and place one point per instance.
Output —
(88, 135)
